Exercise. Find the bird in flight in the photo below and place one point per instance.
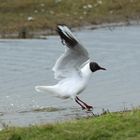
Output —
(73, 69)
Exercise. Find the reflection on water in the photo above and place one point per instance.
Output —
(27, 63)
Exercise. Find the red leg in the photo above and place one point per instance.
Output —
(86, 105)
(83, 107)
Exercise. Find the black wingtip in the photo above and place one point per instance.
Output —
(58, 26)
(58, 30)
(70, 41)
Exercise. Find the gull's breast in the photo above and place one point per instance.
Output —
(71, 86)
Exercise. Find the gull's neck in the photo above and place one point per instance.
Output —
(86, 72)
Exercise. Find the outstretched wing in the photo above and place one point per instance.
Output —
(74, 56)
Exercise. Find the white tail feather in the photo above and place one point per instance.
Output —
(41, 88)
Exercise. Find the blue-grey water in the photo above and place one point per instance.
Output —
(27, 63)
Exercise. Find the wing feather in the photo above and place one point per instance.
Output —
(74, 56)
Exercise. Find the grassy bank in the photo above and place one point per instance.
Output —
(38, 15)
(112, 126)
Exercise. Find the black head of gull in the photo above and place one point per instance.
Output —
(95, 66)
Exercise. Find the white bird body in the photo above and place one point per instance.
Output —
(73, 69)
(71, 86)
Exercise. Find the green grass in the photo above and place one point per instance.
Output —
(48, 13)
(112, 126)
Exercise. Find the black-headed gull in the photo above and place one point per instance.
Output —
(73, 69)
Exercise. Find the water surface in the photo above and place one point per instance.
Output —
(27, 63)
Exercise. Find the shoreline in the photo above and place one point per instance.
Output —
(42, 34)
(84, 115)
(32, 19)
(117, 125)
